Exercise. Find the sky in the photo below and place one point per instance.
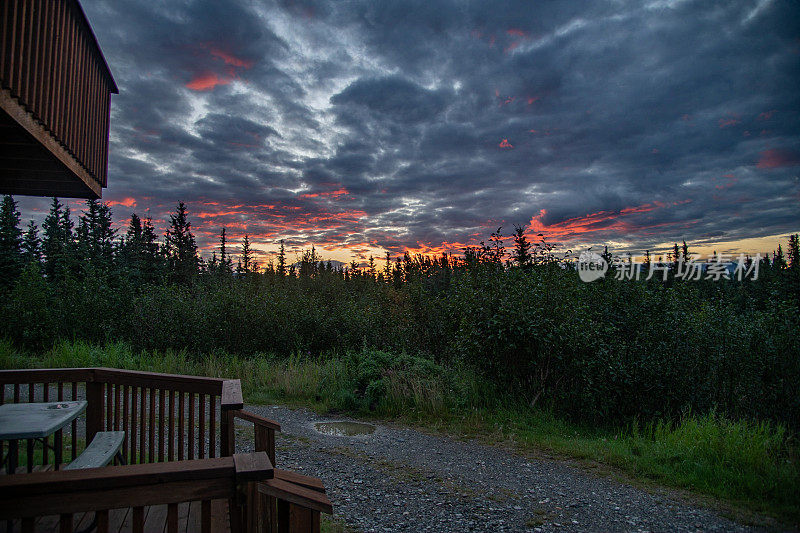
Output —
(370, 126)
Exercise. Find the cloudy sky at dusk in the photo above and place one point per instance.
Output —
(365, 126)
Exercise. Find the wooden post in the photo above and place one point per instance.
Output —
(102, 521)
(205, 516)
(172, 518)
(302, 518)
(13, 457)
(58, 441)
(138, 519)
(94, 410)
(230, 401)
(225, 423)
(265, 441)
(283, 516)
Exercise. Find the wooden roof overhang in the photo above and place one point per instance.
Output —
(55, 98)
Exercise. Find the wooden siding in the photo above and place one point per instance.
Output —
(55, 90)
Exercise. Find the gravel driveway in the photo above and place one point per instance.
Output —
(399, 479)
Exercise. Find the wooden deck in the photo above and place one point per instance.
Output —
(153, 517)
(182, 472)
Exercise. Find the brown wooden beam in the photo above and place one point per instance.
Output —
(24, 119)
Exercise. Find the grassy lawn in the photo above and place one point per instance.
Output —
(742, 466)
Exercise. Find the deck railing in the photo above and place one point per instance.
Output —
(170, 419)
(165, 417)
(67, 493)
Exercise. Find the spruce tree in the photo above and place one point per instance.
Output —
(308, 263)
(225, 265)
(387, 269)
(607, 256)
(104, 235)
(134, 233)
(51, 238)
(248, 259)
(31, 245)
(522, 248)
(71, 260)
(131, 256)
(57, 242)
(180, 247)
(213, 263)
(793, 271)
(143, 250)
(676, 258)
(282, 260)
(11, 260)
(793, 253)
(96, 236)
(778, 261)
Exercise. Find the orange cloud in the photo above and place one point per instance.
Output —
(330, 194)
(127, 202)
(219, 214)
(778, 158)
(517, 32)
(505, 144)
(230, 59)
(428, 248)
(207, 81)
(600, 221)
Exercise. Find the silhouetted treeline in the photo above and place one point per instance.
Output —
(604, 351)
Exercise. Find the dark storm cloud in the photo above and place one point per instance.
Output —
(393, 99)
(392, 123)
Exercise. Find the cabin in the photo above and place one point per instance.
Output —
(55, 99)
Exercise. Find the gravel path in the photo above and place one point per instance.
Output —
(398, 479)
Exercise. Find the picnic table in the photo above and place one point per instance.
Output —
(34, 420)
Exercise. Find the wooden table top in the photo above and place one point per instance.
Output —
(37, 420)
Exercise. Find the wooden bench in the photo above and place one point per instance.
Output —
(101, 451)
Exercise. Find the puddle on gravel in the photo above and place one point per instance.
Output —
(344, 429)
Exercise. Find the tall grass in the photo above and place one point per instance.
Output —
(750, 464)
(744, 460)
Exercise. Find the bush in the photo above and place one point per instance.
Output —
(603, 352)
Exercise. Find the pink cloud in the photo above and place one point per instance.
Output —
(505, 144)
(230, 59)
(778, 158)
(127, 202)
(207, 81)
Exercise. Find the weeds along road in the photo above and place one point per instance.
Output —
(399, 479)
